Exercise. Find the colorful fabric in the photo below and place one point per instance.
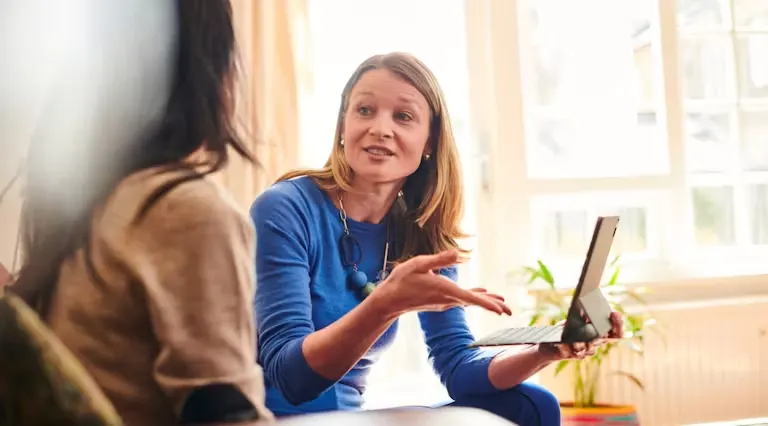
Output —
(41, 382)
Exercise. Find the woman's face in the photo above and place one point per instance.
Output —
(386, 128)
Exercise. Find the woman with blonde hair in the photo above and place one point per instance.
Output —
(343, 251)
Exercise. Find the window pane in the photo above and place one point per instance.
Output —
(713, 215)
(566, 233)
(591, 90)
(758, 212)
(702, 14)
(752, 14)
(647, 127)
(752, 65)
(708, 137)
(632, 235)
(754, 140)
(705, 63)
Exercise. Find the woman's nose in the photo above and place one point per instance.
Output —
(381, 127)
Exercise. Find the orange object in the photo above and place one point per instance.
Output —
(603, 415)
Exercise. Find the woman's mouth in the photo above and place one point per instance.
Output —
(378, 151)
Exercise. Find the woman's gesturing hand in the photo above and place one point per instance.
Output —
(414, 286)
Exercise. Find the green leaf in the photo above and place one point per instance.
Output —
(614, 277)
(546, 275)
(632, 321)
(631, 377)
(560, 366)
(534, 319)
(533, 274)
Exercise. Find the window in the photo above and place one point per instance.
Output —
(723, 51)
(591, 100)
(654, 110)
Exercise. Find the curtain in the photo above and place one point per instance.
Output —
(268, 91)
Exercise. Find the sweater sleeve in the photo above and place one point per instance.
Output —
(462, 370)
(282, 304)
(191, 255)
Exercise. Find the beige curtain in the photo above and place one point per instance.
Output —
(269, 34)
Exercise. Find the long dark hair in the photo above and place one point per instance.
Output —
(198, 115)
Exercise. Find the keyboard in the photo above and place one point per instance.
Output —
(522, 336)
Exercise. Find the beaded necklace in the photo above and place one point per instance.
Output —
(352, 254)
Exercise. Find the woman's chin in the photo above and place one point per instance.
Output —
(379, 177)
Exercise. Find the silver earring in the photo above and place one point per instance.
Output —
(401, 202)
(426, 156)
(341, 142)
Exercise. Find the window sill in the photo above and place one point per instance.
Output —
(701, 291)
(709, 282)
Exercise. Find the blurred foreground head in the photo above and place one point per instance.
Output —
(99, 90)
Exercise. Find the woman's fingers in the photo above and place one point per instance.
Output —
(578, 349)
(617, 323)
(498, 297)
(488, 303)
(485, 293)
(564, 351)
(426, 263)
(446, 292)
(591, 347)
(467, 297)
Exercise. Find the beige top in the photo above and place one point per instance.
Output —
(175, 313)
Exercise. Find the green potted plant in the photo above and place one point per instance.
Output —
(552, 304)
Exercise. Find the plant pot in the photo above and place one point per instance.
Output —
(601, 415)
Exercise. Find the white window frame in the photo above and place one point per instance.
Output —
(506, 193)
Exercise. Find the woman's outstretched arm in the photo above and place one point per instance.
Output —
(467, 371)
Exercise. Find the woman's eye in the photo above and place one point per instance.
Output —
(364, 110)
(404, 116)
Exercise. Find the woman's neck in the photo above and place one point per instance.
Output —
(370, 203)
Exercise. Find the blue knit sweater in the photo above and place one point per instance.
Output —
(302, 287)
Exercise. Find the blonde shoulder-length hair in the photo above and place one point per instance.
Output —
(433, 193)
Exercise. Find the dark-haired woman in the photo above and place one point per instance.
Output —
(145, 268)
